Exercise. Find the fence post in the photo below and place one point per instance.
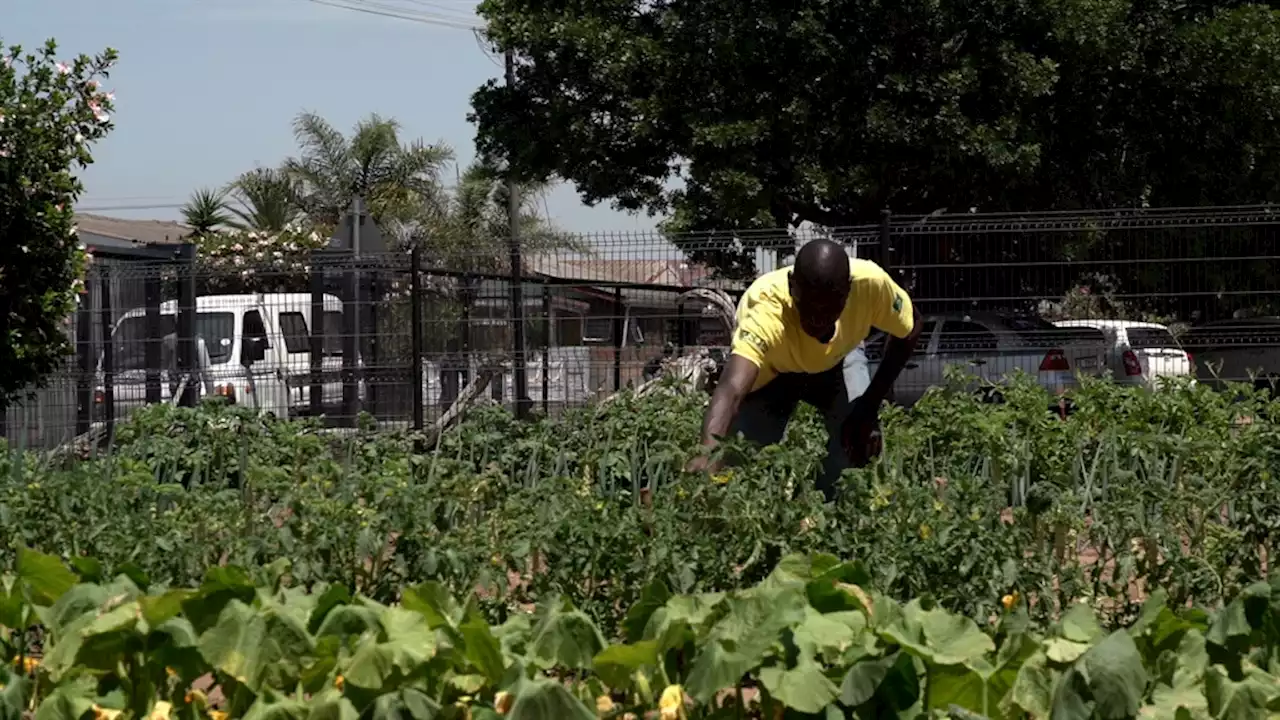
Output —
(186, 330)
(415, 337)
(152, 290)
(546, 346)
(519, 372)
(617, 338)
(108, 349)
(84, 353)
(680, 339)
(886, 233)
(318, 330)
(350, 344)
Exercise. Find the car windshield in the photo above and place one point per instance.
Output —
(129, 341)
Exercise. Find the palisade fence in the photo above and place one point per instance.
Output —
(394, 339)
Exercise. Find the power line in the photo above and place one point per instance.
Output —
(382, 10)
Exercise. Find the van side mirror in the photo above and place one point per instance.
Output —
(252, 349)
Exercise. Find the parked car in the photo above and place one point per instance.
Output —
(992, 347)
(1237, 350)
(253, 349)
(1139, 353)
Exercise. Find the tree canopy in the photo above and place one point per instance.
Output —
(733, 114)
(51, 113)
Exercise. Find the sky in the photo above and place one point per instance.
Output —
(206, 89)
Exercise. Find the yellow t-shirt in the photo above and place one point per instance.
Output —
(769, 332)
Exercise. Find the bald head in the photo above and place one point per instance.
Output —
(820, 284)
(823, 265)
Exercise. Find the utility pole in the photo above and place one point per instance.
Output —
(520, 380)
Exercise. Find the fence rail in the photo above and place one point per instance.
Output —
(398, 335)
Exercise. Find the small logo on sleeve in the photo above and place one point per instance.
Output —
(897, 303)
(753, 340)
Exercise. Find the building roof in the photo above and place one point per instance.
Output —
(145, 232)
(640, 271)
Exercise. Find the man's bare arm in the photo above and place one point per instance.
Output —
(896, 353)
(735, 382)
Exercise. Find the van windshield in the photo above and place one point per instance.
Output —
(129, 340)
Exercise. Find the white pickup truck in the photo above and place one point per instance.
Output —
(992, 346)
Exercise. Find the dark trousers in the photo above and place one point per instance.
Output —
(764, 414)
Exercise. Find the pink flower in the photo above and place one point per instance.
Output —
(93, 84)
(64, 68)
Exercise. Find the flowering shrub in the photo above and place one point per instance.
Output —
(258, 261)
(51, 112)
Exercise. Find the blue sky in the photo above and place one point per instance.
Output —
(206, 89)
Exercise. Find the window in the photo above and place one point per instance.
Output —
(966, 338)
(297, 337)
(1150, 338)
(129, 341)
(597, 329)
(255, 328)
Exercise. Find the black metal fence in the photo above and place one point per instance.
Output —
(386, 336)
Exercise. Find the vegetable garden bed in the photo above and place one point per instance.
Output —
(1170, 489)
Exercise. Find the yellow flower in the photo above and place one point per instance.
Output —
(722, 478)
(30, 664)
(1008, 601)
(339, 682)
(604, 705)
(502, 702)
(217, 715)
(926, 532)
(161, 711)
(671, 704)
(101, 713)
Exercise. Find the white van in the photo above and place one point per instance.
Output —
(253, 349)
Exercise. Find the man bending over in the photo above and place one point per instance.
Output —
(797, 328)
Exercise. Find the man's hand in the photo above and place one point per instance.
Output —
(703, 464)
(861, 432)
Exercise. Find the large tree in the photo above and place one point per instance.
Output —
(51, 112)
(732, 114)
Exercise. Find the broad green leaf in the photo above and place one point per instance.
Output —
(957, 685)
(828, 636)
(1071, 699)
(1080, 625)
(13, 607)
(804, 687)
(653, 596)
(616, 663)
(1032, 690)
(14, 693)
(1116, 677)
(67, 702)
(332, 597)
(565, 638)
(546, 699)
(406, 643)
(252, 646)
(862, 679)
(434, 602)
(89, 569)
(284, 708)
(44, 576)
(345, 620)
(954, 639)
(1063, 651)
(482, 649)
(157, 610)
(331, 705)
(1248, 698)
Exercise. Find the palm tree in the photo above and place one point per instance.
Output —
(267, 199)
(206, 211)
(476, 227)
(395, 179)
